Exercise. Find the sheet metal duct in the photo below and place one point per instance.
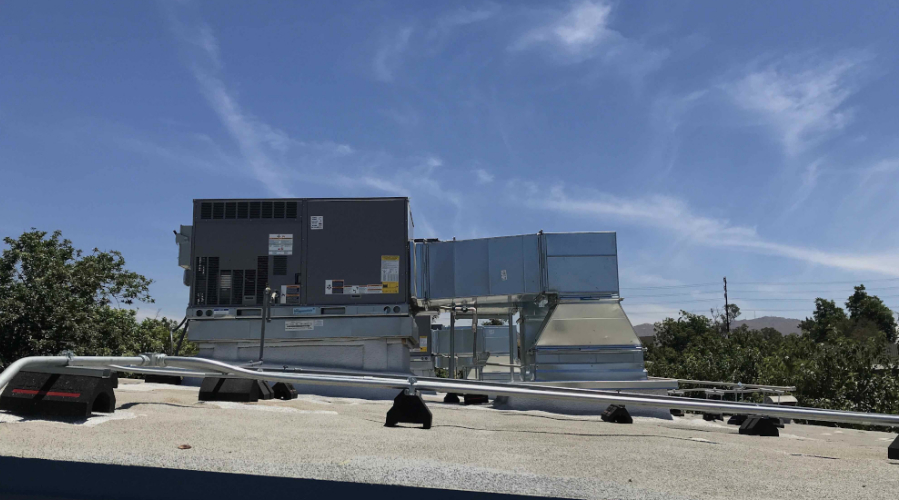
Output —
(601, 323)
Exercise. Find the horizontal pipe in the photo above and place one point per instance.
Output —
(467, 387)
(737, 384)
(476, 387)
(169, 372)
(84, 361)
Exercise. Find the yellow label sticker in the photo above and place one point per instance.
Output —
(390, 273)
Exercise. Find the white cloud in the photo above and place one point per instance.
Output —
(580, 29)
(483, 176)
(676, 217)
(583, 33)
(465, 17)
(803, 98)
(390, 53)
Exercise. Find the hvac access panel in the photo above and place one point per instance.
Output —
(240, 246)
(356, 251)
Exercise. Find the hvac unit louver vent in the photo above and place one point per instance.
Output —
(279, 265)
(222, 210)
(225, 288)
(206, 210)
(212, 288)
(237, 286)
(261, 277)
(249, 289)
(200, 282)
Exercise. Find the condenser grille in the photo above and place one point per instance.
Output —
(261, 277)
(212, 288)
(279, 265)
(229, 210)
(225, 283)
(249, 289)
(200, 282)
(237, 286)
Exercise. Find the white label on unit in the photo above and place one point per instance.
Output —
(317, 222)
(280, 244)
(220, 313)
(299, 324)
(503, 276)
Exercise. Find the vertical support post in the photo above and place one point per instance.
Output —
(522, 342)
(511, 348)
(474, 343)
(452, 363)
(726, 307)
(265, 319)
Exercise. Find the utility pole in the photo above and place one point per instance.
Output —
(726, 307)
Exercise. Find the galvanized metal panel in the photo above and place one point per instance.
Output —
(441, 270)
(601, 323)
(506, 262)
(532, 270)
(591, 274)
(561, 244)
(471, 268)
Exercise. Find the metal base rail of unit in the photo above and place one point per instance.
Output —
(409, 386)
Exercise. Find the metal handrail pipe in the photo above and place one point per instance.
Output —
(61, 361)
(738, 384)
(177, 372)
(468, 387)
(483, 388)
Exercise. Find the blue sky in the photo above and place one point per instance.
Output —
(757, 141)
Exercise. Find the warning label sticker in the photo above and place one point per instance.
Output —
(337, 287)
(317, 222)
(299, 324)
(390, 274)
(423, 344)
(280, 244)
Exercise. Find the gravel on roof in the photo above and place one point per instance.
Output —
(474, 448)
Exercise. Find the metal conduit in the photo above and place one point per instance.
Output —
(411, 384)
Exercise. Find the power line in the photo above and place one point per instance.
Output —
(816, 282)
(668, 286)
(871, 291)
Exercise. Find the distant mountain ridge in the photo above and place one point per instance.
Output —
(786, 326)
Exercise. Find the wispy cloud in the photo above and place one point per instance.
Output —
(582, 33)
(677, 218)
(464, 17)
(390, 53)
(802, 97)
(483, 176)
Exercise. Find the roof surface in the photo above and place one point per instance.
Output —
(470, 448)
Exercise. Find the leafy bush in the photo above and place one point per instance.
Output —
(838, 362)
(55, 298)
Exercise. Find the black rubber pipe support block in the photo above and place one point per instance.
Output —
(408, 409)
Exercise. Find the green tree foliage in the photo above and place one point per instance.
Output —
(838, 362)
(869, 314)
(55, 298)
(827, 322)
